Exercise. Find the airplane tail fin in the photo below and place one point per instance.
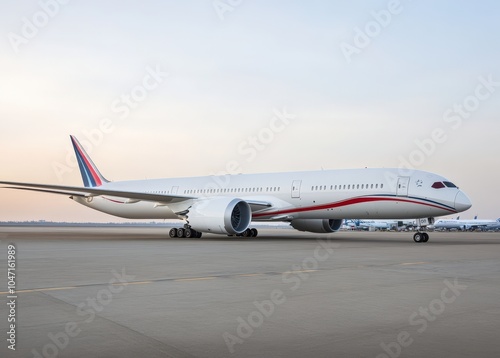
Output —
(90, 174)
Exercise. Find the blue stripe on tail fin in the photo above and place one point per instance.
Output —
(90, 174)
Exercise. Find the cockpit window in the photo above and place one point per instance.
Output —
(438, 185)
(449, 184)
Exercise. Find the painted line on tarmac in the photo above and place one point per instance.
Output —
(187, 279)
(195, 279)
(42, 289)
(132, 283)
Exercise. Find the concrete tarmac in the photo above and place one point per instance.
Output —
(135, 292)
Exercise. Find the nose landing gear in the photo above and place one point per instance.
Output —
(422, 224)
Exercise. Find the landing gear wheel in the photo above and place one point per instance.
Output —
(247, 233)
(418, 237)
(186, 232)
(254, 232)
(425, 237)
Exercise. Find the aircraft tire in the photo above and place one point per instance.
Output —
(425, 237)
(247, 233)
(254, 232)
(180, 232)
(173, 232)
(418, 237)
(188, 233)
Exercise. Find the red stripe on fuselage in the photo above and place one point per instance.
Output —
(347, 202)
(113, 201)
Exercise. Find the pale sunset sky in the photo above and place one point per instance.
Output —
(181, 88)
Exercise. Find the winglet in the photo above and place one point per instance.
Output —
(90, 174)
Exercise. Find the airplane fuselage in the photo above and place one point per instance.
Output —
(327, 194)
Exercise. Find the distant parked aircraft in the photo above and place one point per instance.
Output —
(458, 224)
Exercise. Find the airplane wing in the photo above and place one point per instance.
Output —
(47, 191)
(95, 191)
(255, 205)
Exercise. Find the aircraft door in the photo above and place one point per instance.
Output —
(402, 187)
(174, 190)
(296, 189)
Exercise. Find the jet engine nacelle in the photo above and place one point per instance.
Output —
(227, 216)
(317, 225)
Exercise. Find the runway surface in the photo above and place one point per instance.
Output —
(134, 292)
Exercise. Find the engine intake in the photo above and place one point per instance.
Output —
(321, 226)
(229, 216)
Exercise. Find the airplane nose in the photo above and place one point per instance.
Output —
(462, 202)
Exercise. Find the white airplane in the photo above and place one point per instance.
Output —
(373, 224)
(314, 201)
(384, 224)
(465, 224)
(495, 227)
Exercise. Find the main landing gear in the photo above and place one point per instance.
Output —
(184, 232)
(248, 233)
(421, 237)
(187, 232)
